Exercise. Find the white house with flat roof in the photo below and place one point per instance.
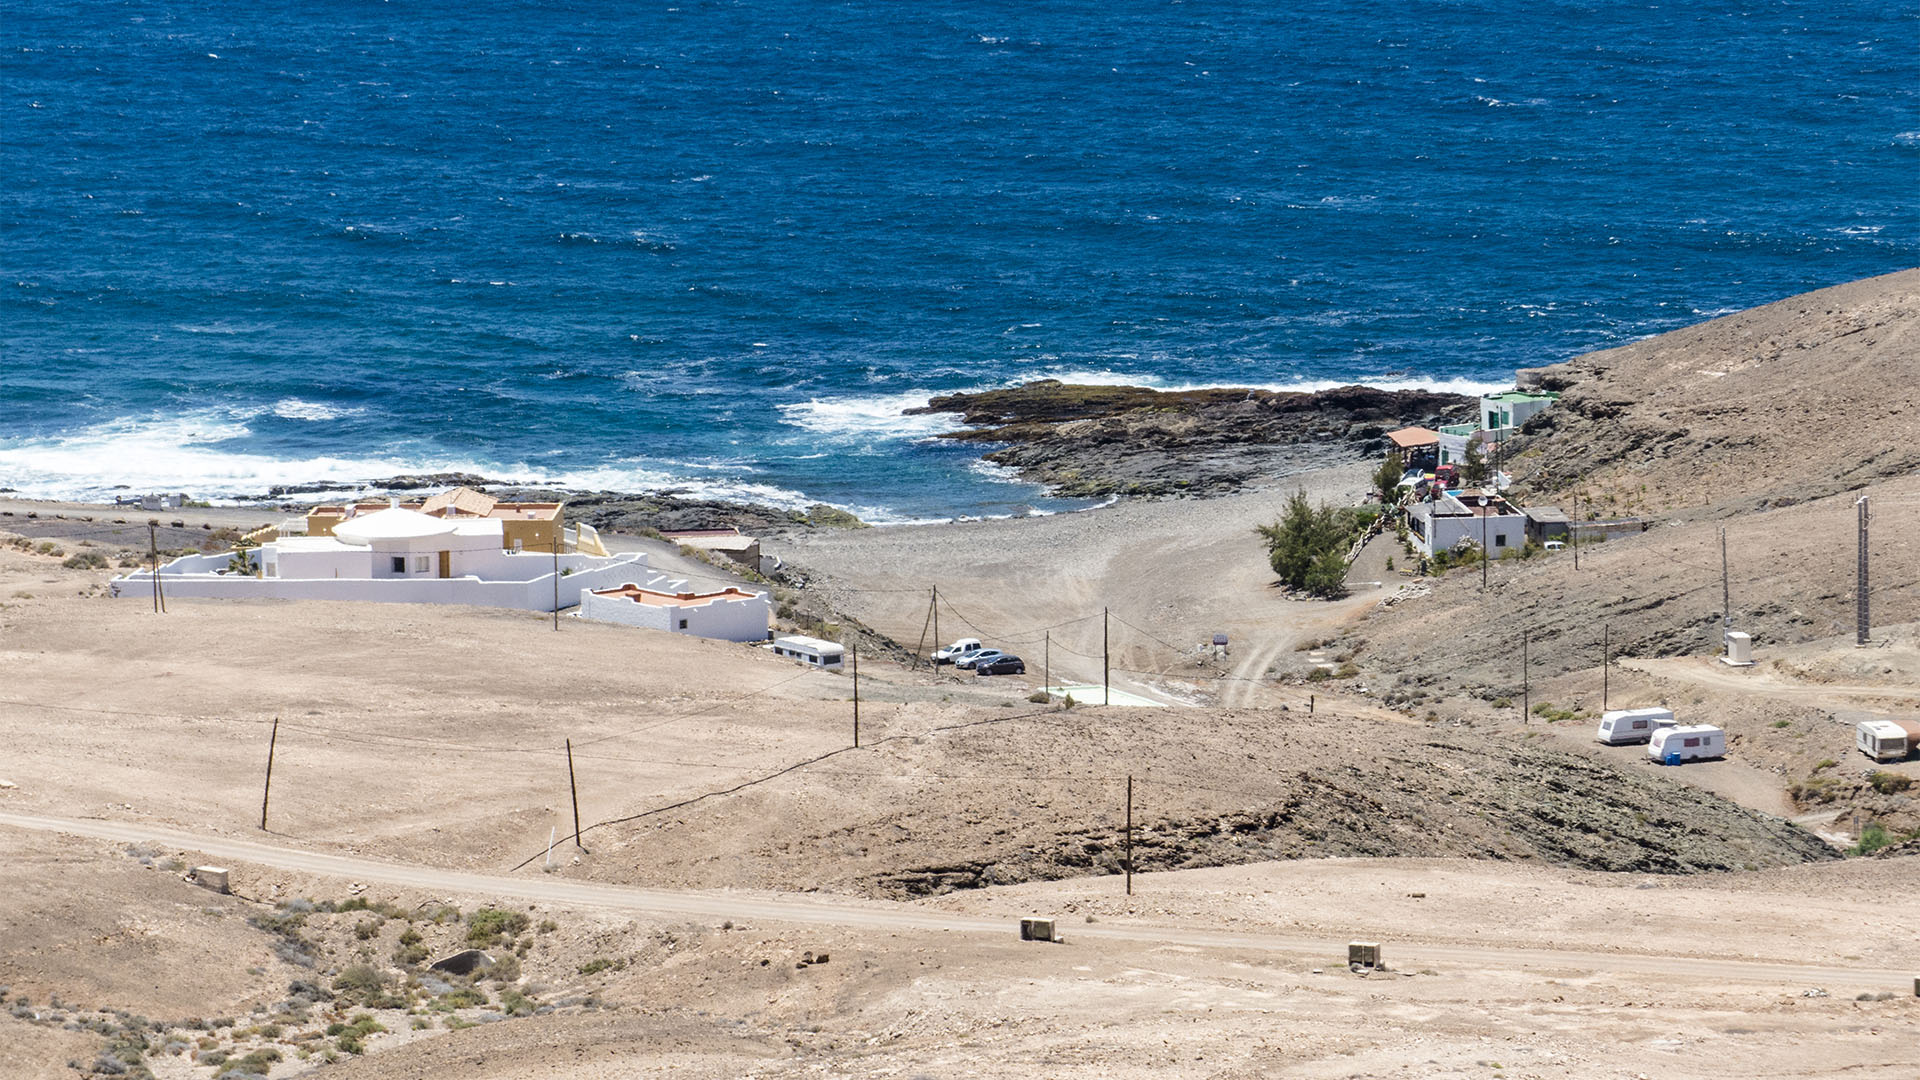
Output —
(730, 614)
(1452, 518)
(396, 555)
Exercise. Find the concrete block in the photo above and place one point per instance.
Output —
(211, 877)
(1363, 955)
(1036, 929)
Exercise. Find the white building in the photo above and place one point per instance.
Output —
(396, 555)
(811, 651)
(728, 615)
(1453, 518)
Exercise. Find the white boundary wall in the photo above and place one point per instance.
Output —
(195, 576)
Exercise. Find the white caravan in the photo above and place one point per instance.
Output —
(1887, 740)
(1632, 725)
(1687, 742)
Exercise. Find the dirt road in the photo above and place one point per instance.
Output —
(881, 915)
(1712, 673)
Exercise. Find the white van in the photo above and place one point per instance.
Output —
(1886, 740)
(1687, 742)
(1621, 726)
(957, 651)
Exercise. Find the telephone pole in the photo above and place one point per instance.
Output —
(936, 616)
(1574, 529)
(153, 548)
(1106, 668)
(856, 697)
(1525, 702)
(267, 788)
(574, 788)
(556, 580)
(1606, 661)
(1046, 666)
(1862, 624)
(1128, 859)
(1726, 593)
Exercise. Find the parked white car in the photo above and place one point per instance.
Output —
(957, 651)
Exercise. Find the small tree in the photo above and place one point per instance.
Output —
(1474, 472)
(1387, 478)
(242, 560)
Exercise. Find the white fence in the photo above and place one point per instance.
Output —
(194, 576)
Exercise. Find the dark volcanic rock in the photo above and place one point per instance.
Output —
(1101, 440)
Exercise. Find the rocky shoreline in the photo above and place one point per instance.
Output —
(1080, 441)
(1094, 441)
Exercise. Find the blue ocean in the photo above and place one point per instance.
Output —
(716, 247)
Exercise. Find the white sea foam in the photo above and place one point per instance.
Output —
(296, 409)
(870, 416)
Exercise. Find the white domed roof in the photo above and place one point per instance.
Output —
(393, 523)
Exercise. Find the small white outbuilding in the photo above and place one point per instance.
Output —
(810, 651)
(727, 615)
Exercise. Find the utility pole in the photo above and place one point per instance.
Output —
(856, 697)
(1484, 553)
(1861, 623)
(1129, 851)
(267, 788)
(1106, 669)
(575, 789)
(936, 616)
(1574, 528)
(1606, 661)
(556, 577)
(153, 547)
(1046, 664)
(1525, 689)
(1726, 593)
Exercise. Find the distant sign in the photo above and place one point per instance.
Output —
(1220, 639)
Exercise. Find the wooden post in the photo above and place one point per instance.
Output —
(575, 789)
(936, 616)
(267, 788)
(1606, 661)
(1046, 667)
(1129, 851)
(153, 546)
(556, 575)
(1525, 702)
(1309, 704)
(1106, 663)
(856, 697)
(1574, 529)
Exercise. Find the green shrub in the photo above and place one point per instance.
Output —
(600, 964)
(488, 925)
(1872, 839)
(1887, 783)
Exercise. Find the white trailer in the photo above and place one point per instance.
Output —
(1620, 726)
(1687, 742)
(1887, 740)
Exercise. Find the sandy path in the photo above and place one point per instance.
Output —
(1708, 672)
(881, 915)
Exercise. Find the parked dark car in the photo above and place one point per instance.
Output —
(1001, 665)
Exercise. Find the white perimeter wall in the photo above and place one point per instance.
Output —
(722, 620)
(192, 576)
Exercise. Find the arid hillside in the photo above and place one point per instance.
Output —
(1813, 395)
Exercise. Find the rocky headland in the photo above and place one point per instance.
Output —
(1094, 441)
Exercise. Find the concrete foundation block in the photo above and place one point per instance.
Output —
(1037, 929)
(211, 877)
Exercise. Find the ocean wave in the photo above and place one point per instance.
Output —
(296, 409)
(868, 416)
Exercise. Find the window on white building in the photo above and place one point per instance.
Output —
(422, 563)
(399, 564)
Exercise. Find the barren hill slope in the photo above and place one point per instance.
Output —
(1812, 395)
